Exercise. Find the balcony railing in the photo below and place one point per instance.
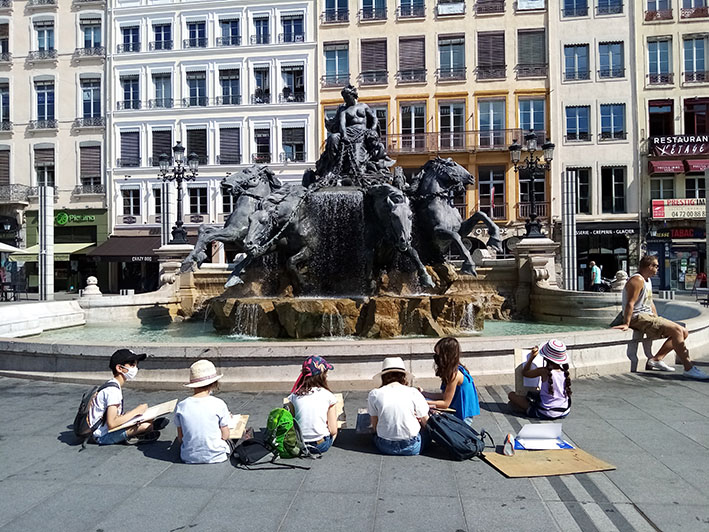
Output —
(128, 48)
(660, 14)
(89, 189)
(335, 80)
(373, 77)
(578, 136)
(5, 57)
(229, 99)
(532, 71)
(261, 158)
(496, 212)
(489, 7)
(415, 75)
(90, 121)
(43, 124)
(159, 45)
(91, 51)
(128, 162)
(612, 135)
(666, 78)
(612, 72)
(577, 75)
(229, 159)
(411, 11)
(699, 76)
(129, 104)
(291, 37)
(524, 209)
(580, 11)
(14, 193)
(292, 97)
(41, 3)
(5, 125)
(694, 12)
(492, 72)
(372, 13)
(4, 4)
(450, 74)
(195, 101)
(234, 40)
(261, 38)
(197, 42)
(335, 16)
(297, 156)
(469, 141)
(161, 103)
(42, 55)
(614, 8)
(260, 98)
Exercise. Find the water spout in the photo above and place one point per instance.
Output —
(246, 320)
(467, 321)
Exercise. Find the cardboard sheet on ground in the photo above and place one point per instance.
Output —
(238, 426)
(546, 463)
(339, 409)
(150, 414)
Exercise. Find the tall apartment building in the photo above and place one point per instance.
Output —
(594, 106)
(673, 107)
(52, 130)
(233, 81)
(447, 78)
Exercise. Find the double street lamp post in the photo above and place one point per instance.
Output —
(531, 166)
(179, 173)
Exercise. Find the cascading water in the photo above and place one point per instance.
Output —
(333, 324)
(467, 321)
(246, 320)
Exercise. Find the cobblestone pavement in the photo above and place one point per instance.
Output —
(653, 426)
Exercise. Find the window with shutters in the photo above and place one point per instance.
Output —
(229, 146)
(44, 166)
(162, 145)
(45, 105)
(44, 33)
(373, 10)
(5, 122)
(293, 79)
(230, 33)
(91, 30)
(197, 32)
(131, 92)
(336, 11)
(613, 189)
(661, 117)
(198, 200)
(130, 149)
(91, 98)
(613, 121)
(373, 69)
(491, 55)
(163, 37)
(131, 201)
(609, 7)
(4, 167)
(451, 56)
(131, 39)
(197, 87)
(337, 66)
(262, 33)
(262, 139)
(491, 122)
(659, 61)
(575, 8)
(413, 126)
(451, 117)
(578, 119)
(576, 66)
(230, 84)
(412, 9)
(531, 54)
(293, 140)
(412, 60)
(491, 191)
(292, 26)
(695, 59)
(163, 92)
(90, 169)
(611, 60)
(197, 143)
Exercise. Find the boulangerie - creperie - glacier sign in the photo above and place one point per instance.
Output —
(530, 4)
(679, 145)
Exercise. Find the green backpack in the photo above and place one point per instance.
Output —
(283, 435)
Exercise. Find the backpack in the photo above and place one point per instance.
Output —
(82, 429)
(283, 435)
(456, 436)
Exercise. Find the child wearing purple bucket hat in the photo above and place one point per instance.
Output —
(313, 404)
(553, 400)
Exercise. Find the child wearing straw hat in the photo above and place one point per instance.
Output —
(203, 420)
(553, 400)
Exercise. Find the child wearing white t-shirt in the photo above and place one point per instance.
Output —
(203, 420)
(313, 405)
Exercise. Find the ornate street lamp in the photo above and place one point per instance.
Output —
(531, 165)
(178, 174)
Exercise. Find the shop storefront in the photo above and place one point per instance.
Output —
(611, 245)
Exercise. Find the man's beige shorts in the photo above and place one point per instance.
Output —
(652, 326)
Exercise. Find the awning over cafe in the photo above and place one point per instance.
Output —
(61, 252)
(127, 249)
(697, 165)
(666, 167)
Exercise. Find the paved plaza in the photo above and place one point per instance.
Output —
(653, 427)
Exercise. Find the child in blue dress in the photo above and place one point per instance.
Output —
(457, 387)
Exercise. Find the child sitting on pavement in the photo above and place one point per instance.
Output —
(203, 420)
(553, 400)
(313, 405)
(457, 387)
(108, 405)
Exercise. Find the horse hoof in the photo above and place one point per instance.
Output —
(233, 281)
(495, 244)
(426, 281)
(469, 270)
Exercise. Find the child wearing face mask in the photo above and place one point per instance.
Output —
(107, 405)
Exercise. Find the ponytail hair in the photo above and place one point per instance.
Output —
(567, 381)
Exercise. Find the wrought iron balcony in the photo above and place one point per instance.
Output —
(260, 98)
(229, 159)
(491, 72)
(611, 8)
(89, 189)
(496, 212)
(43, 124)
(665, 78)
(412, 75)
(161, 103)
(297, 156)
(372, 13)
(200, 42)
(489, 7)
(41, 3)
(291, 97)
(129, 104)
(261, 158)
(612, 72)
(159, 45)
(5, 125)
(577, 75)
(694, 12)
(128, 162)
(612, 135)
(660, 14)
(128, 48)
(525, 208)
(291, 37)
(532, 71)
(335, 16)
(195, 101)
(42, 55)
(261, 38)
(229, 99)
(447, 141)
(92, 51)
(5, 57)
(450, 74)
(699, 76)
(374, 77)
(83, 2)
(579, 11)
(14, 193)
(411, 11)
(234, 40)
(578, 136)
(90, 121)
(334, 80)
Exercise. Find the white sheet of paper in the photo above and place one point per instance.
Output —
(536, 381)
(540, 436)
(234, 421)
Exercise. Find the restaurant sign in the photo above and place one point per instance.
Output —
(679, 208)
(679, 145)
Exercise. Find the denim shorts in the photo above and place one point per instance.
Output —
(409, 447)
(111, 438)
(322, 446)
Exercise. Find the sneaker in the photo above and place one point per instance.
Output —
(658, 365)
(696, 373)
(162, 422)
(508, 449)
(147, 437)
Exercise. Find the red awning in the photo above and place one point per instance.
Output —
(666, 167)
(697, 165)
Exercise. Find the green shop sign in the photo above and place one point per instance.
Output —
(63, 218)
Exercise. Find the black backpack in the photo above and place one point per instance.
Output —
(456, 436)
(82, 429)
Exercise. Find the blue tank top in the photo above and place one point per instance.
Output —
(465, 400)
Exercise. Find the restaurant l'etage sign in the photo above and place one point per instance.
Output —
(679, 145)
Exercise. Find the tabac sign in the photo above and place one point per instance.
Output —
(679, 208)
(679, 145)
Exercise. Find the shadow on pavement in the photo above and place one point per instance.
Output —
(349, 440)
(68, 437)
(165, 451)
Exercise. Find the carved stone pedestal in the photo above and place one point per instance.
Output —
(170, 257)
(535, 262)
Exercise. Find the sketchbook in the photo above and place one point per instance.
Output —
(541, 436)
(150, 414)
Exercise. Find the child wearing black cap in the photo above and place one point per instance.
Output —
(107, 405)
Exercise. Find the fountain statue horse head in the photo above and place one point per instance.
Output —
(433, 189)
(248, 187)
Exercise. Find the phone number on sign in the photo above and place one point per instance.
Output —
(687, 214)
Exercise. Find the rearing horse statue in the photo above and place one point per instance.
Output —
(439, 222)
